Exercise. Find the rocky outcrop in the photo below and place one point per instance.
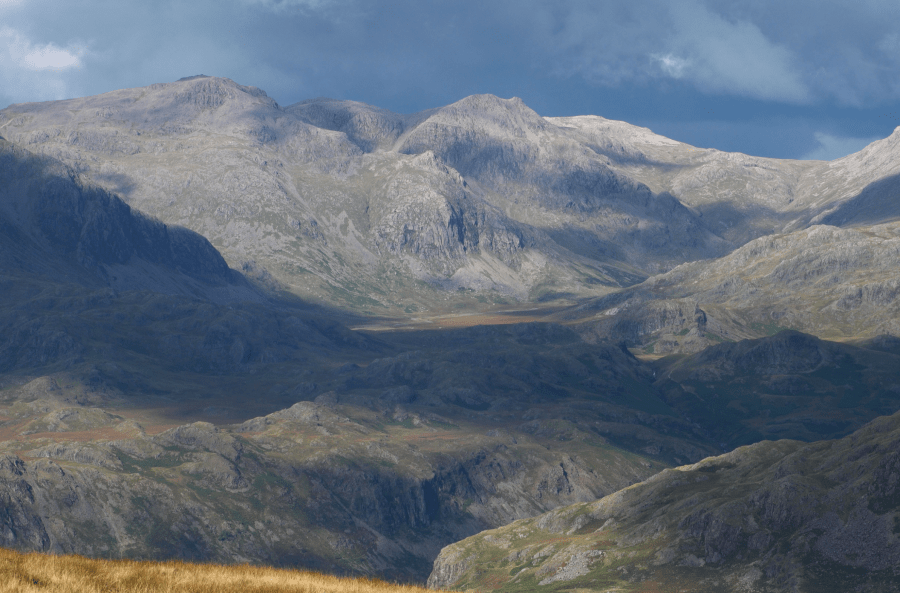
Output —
(823, 280)
(661, 326)
(305, 486)
(776, 516)
(47, 203)
(448, 222)
(341, 190)
(370, 128)
(322, 195)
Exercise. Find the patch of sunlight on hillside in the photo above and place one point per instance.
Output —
(43, 573)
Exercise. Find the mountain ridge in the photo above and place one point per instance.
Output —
(774, 516)
(287, 162)
(160, 351)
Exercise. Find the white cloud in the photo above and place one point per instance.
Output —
(288, 4)
(35, 72)
(672, 65)
(732, 56)
(50, 57)
(26, 55)
(834, 147)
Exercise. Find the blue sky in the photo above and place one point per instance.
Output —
(787, 79)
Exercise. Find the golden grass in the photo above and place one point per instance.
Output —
(43, 573)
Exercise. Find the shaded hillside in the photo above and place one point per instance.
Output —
(56, 227)
(775, 516)
(403, 452)
(790, 385)
(396, 457)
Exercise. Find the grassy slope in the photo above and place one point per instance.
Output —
(42, 573)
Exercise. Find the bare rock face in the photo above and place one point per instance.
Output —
(48, 205)
(368, 127)
(483, 194)
(775, 516)
(824, 280)
(669, 325)
(339, 200)
(526, 159)
(447, 222)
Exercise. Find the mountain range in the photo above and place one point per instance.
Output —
(331, 336)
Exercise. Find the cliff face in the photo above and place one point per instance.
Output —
(485, 200)
(52, 219)
(775, 516)
(153, 403)
(483, 194)
(304, 486)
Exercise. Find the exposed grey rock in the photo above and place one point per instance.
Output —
(46, 206)
(775, 516)
(823, 280)
(79, 454)
(485, 199)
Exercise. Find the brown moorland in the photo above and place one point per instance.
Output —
(44, 573)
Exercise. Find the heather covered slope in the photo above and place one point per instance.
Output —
(774, 516)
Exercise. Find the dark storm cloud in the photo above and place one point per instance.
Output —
(671, 62)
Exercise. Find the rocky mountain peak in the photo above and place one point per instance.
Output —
(485, 114)
(210, 92)
(366, 126)
(607, 131)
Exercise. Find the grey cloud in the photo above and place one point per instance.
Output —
(794, 52)
(834, 147)
(802, 52)
(733, 56)
(281, 5)
(594, 56)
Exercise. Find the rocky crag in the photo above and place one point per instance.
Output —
(344, 201)
(775, 516)
(484, 201)
(165, 393)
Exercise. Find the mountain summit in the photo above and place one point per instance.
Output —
(482, 201)
(511, 204)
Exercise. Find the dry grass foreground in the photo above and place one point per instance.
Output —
(34, 572)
